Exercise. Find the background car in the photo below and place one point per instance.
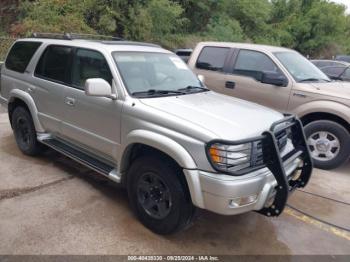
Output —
(284, 80)
(326, 63)
(184, 53)
(345, 58)
(341, 73)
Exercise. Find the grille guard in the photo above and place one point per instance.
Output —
(274, 162)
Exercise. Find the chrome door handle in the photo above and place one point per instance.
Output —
(70, 101)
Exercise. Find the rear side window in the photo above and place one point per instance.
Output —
(89, 64)
(254, 64)
(54, 64)
(212, 58)
(20, 55)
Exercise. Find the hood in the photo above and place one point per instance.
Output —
(227, 117)
(335, 89)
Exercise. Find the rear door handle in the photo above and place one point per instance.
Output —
(70, 101)
(230, 84)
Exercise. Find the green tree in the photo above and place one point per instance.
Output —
(155, 21)
(51, 16)
(252, 15)
(223, 28)
(309, 26)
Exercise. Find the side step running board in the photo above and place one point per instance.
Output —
(81, 157)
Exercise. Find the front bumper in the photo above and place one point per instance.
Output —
(218, 191)
(267, 189)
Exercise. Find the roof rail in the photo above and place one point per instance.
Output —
(72, 36)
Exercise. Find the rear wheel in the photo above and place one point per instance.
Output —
(329, 143)
(158, 194)
(24, 130)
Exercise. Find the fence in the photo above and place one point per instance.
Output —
(5, 44)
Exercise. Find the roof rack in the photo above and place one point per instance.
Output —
(72, 36)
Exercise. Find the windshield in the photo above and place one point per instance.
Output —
(300, 68)
(148, 74)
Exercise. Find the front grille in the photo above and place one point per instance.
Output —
(281, 139)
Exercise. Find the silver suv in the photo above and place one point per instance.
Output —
(136, 114)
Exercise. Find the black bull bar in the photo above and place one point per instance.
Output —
(274, 162)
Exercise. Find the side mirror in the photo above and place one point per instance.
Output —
(274, 79)
(201, 78)
(98, 87)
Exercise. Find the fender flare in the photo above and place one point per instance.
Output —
(174, 150)
(28, 100)
(323, 106)
(163, 144)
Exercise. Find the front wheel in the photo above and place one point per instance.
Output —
(329, 143)
(158, 194)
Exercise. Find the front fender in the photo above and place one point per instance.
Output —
(28, 100)
(330, 107)
(162, 143)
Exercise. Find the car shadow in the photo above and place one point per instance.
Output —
(247, 233)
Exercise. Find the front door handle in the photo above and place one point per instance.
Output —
(299, 95)
(230, 84)
(70, 101)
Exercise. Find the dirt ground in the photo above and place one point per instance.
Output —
(52, 205)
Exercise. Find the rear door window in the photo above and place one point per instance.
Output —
(55, 63)
(212, 58)
(89, 64)
(254, 64)
(20, 55)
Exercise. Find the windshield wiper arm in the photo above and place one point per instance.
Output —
(189, 88)
(151, 92)
(314, 79)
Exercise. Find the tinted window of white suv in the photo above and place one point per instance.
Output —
(20, 55)
(212, 58)
(54, 64)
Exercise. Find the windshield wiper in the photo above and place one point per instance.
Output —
(190, 88)
(313, 79)
(152, 92)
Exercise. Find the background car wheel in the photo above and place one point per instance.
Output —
(329, 143)
(25, 133)
(159, 195)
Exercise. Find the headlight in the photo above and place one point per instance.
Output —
(230, 158)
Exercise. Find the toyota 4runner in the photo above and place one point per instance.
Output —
(137, 114)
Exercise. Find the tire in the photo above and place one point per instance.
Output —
(160, 173)
(329, 143)
(25, 133)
